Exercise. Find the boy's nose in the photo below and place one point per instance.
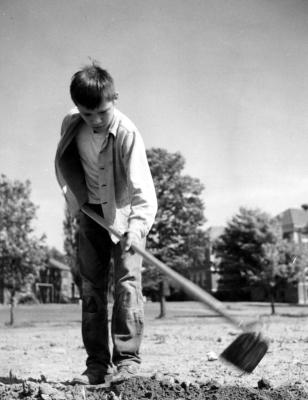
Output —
(96, 120)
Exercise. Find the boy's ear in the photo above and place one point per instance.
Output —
(116, 96)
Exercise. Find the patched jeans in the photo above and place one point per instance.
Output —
(95, 251)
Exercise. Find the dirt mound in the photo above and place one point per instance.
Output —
(167, 388)
(148, 389)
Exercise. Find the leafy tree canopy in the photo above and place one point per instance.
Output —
(176, 237)
(21, 253)
(251, 250)
(240, 246)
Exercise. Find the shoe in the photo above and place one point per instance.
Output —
(92, 377)
(125, 372)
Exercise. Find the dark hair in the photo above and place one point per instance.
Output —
(91, 85)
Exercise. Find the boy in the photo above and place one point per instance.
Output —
(101, 161)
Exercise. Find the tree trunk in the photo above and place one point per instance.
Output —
(272, 300)
(12, 306)
(162, 299)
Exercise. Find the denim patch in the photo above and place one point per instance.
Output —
(139, 321)
(128, 321)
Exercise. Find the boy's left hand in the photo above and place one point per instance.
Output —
(128, 239)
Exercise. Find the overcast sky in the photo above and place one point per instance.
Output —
(222, 81)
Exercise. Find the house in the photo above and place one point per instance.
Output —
(56, 284)
(206, 276)
(294, 224)
(214, 233)
(294, 227)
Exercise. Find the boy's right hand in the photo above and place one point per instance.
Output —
(128, 239)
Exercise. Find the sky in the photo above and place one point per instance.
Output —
(224, 82)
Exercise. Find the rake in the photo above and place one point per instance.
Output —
(247, 350)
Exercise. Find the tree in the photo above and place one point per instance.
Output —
(240, 251)
(21, 253)
(281, 263)
(251, 252)
(176, 237)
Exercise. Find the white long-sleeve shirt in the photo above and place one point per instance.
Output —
(125, 186)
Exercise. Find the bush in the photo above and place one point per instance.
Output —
(27, 298)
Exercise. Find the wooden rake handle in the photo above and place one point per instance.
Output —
(188, 286)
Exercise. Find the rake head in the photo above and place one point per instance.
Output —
(246, 351)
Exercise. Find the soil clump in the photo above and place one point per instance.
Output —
(148, 388)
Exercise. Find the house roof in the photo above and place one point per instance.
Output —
(59, 265)
(293, 218)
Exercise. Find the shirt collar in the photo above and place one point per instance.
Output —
(114, 123)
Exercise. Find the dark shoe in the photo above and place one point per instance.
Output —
(92, 377)
(125, 372)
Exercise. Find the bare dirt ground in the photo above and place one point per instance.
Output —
(42, 353)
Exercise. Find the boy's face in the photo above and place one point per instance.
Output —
(100, 118)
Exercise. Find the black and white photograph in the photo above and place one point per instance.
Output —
(154, 199)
